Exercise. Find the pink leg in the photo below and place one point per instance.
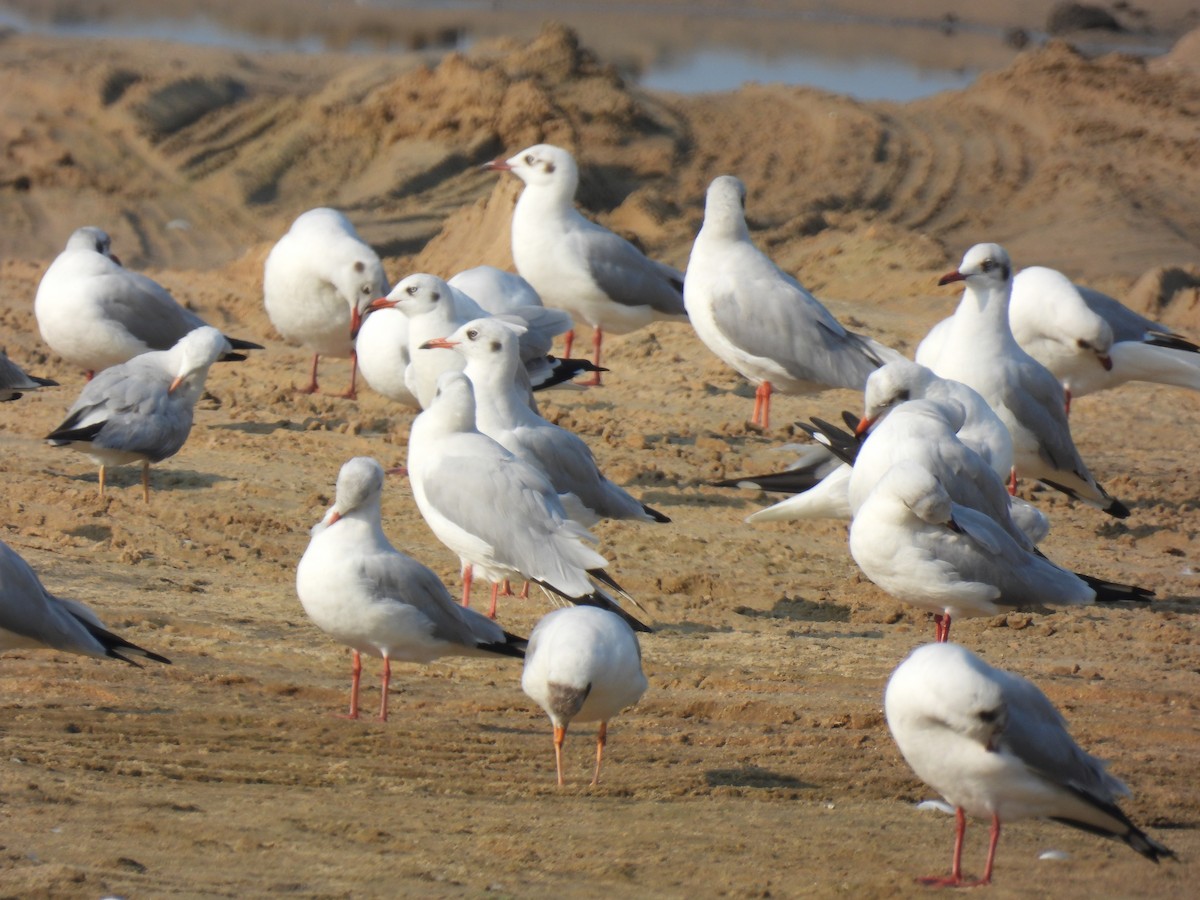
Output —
(1012, 482)
(525, 591)
(955, 878)
(506, 588)
(495, 594)
(312, 381)
(597, 341)
(383, 688)
(941, 623)
(568, 343)
(762, 406)
(601, 739)
(560, 735)
(352, 392)
(89, 374)
(466, 576)
(991, 857)
(355, 676)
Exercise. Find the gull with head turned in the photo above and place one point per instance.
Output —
(577, 265)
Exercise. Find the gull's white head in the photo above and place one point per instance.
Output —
(891, 385)
(93, 239)
(359, 483)
(984, 266)
(542, 166)
(725, 206)
(195, 352)
(488, 342)
(945, 686)
(417, 294)
(454, 402)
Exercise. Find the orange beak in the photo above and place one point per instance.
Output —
(334, 516)
(438, 344)
(382, 303)
(497, 165)
(174, 384)
(863, 426)
(951, 277)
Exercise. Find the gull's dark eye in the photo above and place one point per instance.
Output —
(529, 158)
(989, 715)
(473, 334)
(411, 290)
(366, 290)
(902, 397)
(988, 265)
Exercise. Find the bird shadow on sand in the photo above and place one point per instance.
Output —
(797, 609)
(161, 480)
(259, 427)
(754, 777)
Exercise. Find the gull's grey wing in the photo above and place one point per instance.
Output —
(511, 507)
(626, 274)
(144, 308)
(766, 312)
(27, 609)
(1125, 323)
(13, 379)
(398, 578)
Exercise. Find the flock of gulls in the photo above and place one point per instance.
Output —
(926, 476)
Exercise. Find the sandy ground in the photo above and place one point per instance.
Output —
(758, 764)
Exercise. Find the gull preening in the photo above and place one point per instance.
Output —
(95, 313)
(761, 321)
(318, 281)
(502, 412)
(500, 515)
(14, 382)
(995, 747)
(33, 618)
(1090, 341)
(141, 410)
(977, 347)
(583, 664)
(365, 593)
(913, 541)
(577, 265)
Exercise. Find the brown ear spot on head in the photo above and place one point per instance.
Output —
(495, 346)
(359, 266)
(435, 296)
(549, 167)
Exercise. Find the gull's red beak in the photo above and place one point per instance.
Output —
(1106, 361)
(863, 426)
(497, 165)
(438, 344)
(382, 303)
(355, 322)
(174, 384)
(115, 259)
(333, 517)
(951, 277)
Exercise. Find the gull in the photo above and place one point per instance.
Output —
(366, 594)
(914, 542)
(317, 283)
(381, 349)
(995, 747)
(577, 265)
(502, 412)
(500, 515)
(32, 617)
(583, 665)
(141, 410)
(888, 387)
(977, 347)
(758, 319)
(1090, 341)
(14, 381)
(435, 309)
(95, 313)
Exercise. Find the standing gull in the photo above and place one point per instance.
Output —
(362, 591)
(502, 412)
(32, 617)
(95, 313)
(995, 747)
(14, 381)
(577, 265)
(759, 320)
(977, 347)
(500, 515)
(141, 410)
(317, 283)
(583, 664)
